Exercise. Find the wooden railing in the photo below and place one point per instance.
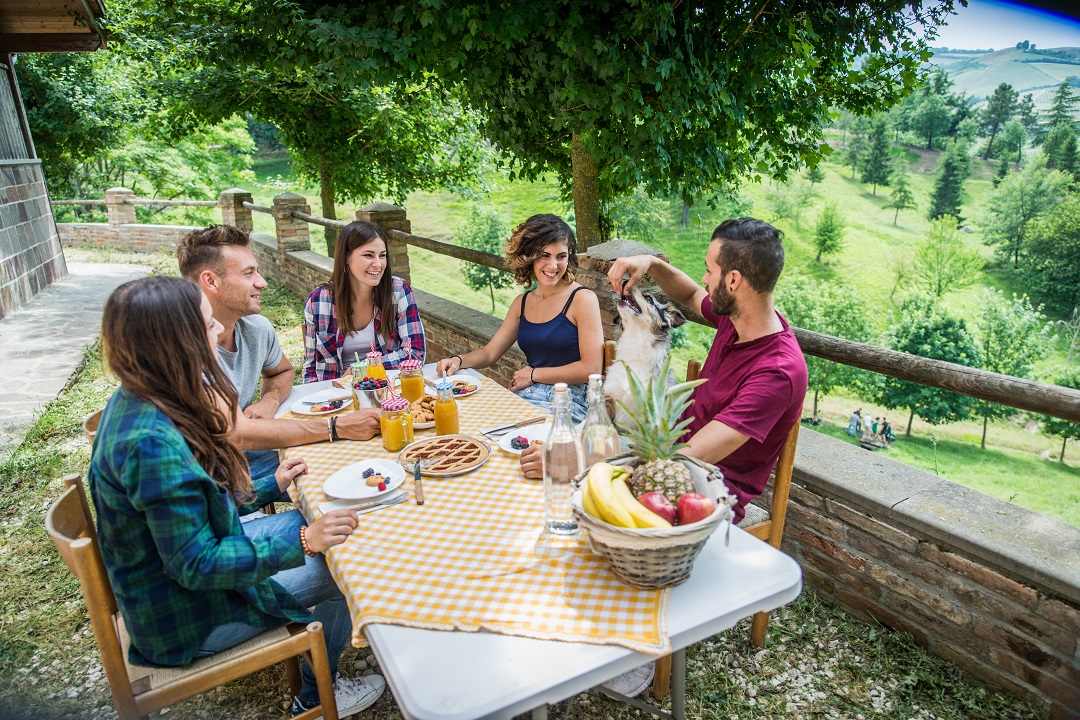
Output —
(1006, 390)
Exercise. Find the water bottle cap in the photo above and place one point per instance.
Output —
(595, 376)
(560, 387)
(374, 355)
(395, 404)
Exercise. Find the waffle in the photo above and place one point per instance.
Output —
(452, 454)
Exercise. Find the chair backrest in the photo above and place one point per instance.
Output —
(609, 354)
(90, 425)
(71, 527)
(771, 530)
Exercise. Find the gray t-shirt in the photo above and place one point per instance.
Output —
(257, 349)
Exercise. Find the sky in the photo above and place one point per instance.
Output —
(986, 24)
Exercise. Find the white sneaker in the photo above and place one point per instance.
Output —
(632, 682)
(352, 695)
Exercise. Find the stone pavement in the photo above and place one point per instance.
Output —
(43, 342)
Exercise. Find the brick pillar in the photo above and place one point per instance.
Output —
(593, 270)
(391, 217)
(292, 234)
(120, 212)
(233, 211)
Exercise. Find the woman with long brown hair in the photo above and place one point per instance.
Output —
(363, 303)
(167, 482)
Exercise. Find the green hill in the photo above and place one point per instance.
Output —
(1028, 71)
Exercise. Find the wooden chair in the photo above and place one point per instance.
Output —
(138, 691)
(769, 528)
(90, 425)
(609, 354)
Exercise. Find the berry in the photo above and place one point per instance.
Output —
(382, 486)
(519, 443)
(459, 391)
(368, 473)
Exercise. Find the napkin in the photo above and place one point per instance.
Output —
(346, 504)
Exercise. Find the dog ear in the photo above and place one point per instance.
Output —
(674, 316)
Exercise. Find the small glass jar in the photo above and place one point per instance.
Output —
(412, 379)
(446, 410)
(395, 423)
(375, 369)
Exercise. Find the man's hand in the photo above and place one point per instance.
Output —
(288, 471)
(359, 425)
(262, 409)
(636, 266)
(532, 462)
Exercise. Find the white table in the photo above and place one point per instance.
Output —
(469, 676)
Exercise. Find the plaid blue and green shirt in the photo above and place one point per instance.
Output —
(178, 561)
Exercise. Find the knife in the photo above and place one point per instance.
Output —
(368, 505)
(320, 402)
(523, 423)
(418, 488)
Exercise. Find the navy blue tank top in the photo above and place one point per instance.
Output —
(549, 344)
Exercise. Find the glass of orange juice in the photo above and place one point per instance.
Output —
(375, 369)
(412, 379)
(446, 410)
(395, 423)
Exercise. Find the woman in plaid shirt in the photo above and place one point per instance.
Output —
(167, 481)
(362, 304)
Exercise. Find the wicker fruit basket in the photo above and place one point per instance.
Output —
(652, 558)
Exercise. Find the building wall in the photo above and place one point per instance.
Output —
(30, 253)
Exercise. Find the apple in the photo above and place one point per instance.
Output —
(659, 504)
(693, 507)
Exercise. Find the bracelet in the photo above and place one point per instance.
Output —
(329, 430)
(333, 429)
(460, 362)
(304, 543)
(531, 371)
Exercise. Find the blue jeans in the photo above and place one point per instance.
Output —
(543, 397)
(312, 585)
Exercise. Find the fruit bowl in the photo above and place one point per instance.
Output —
(652, 558)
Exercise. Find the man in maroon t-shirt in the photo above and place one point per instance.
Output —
(756, 373)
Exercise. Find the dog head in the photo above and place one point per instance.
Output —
(644, 311)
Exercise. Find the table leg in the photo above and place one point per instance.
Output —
(678, 684)
(540, 713)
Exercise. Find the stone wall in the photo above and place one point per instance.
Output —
(30, 254)
(131, 237)
(988, 585)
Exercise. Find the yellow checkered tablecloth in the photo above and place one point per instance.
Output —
(474, 556)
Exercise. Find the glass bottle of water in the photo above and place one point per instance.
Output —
(599, 439)
(563, 459)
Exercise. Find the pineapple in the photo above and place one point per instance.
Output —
(654, 430)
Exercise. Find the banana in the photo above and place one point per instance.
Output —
(609, 507)
(643, 516)
(587, 502)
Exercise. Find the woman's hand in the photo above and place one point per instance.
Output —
(522, 379)
(448, 366)
(331, 529)
(532, 461)
(288, 471)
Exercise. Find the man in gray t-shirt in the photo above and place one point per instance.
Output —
(218, 259)
(257, 354)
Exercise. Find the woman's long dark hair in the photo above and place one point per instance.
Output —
(355, 235)
(155, 343)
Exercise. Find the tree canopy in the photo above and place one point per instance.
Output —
(942, 264)
(1021, 198)
(678, 98)
(1052, 267)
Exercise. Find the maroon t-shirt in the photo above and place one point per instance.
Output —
(755, 387)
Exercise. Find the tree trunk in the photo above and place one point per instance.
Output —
(1061, 455)
(685, 214)
(586, 195)
(986, 419)
(326, 194)
(875, 190)
(990, 145)
(814, 417)
(894, 217)
(491, 289)
(911, 418)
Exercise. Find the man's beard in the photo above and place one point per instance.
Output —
(723, 302)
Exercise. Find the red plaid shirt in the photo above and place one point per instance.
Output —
(323, 339)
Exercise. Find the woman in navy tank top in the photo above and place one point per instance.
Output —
(556, 324)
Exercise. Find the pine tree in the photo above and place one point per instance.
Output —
(1060, 147)
(829, 234)
(815, 175)
(1025, 112)
(854, 151)
(999, 108)
(949, 186)
(1002, 172)
(902, 197)
(875, 162)
(1061, 105)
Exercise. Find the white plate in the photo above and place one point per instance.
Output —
(329, 393)
(471, 379)
(539, 431)
(347, 483)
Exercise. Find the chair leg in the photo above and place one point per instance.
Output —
(662, 678)
(320, 666)
(292, 668)
(757, 632)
